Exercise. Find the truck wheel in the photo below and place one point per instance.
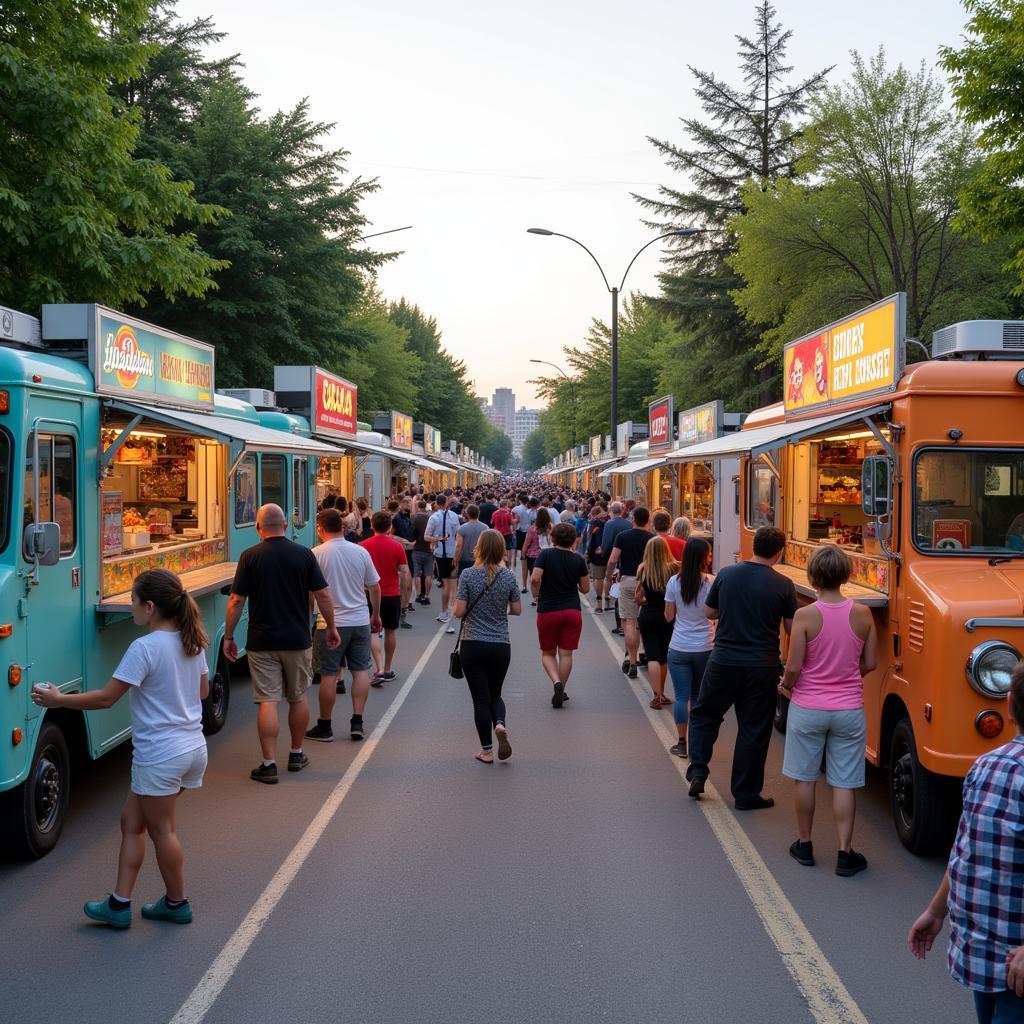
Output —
(781, 713)
(923, 803)
(215, 707)
(35, 810)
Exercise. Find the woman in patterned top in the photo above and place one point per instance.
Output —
(489, 592)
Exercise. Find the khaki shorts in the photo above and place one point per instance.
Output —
(597, 572)
(627, 598)
(280, 675)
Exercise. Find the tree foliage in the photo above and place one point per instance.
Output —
(533, 449)
(497, 449)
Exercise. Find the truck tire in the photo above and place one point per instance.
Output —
(34, 812)
(924, 805)
(781, 713)
(215, 707)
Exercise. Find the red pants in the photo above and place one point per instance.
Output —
(560, 629)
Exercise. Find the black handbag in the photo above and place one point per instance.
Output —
(455, 658)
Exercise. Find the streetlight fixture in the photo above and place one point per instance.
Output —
(615, 299)
(572, 391)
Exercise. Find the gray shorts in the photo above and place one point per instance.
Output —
(422, 564)
(170, 777)
(353, 652)
(840, 735)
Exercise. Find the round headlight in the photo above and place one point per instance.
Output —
(990, 666)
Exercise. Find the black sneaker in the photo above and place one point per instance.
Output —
(679, 749)
(355, 727)
(404, 623)
(265, 773)
(558, 697)
(523, 590)
(632, 672)
(625, 665)
(322, 732)
(340, 686)
(849, 862)
(803, 853)
(296, 762)
(755, 803)
(696, 788)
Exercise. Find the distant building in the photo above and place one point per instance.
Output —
(524, 423)
(501, 413)
(504, 405)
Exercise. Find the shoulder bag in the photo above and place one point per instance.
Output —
(455, 658)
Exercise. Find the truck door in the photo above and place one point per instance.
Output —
(300, 515)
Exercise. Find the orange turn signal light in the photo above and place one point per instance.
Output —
(14, 674)
(5, 401)
(6, 630)
(989, 724)
(16, 736)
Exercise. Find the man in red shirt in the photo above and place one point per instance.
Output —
(501, 520)
(388, 557)
(662, 523)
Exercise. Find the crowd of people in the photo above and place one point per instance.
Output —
(315, 614)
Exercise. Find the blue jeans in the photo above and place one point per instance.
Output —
(687, 670)
(999, 1007)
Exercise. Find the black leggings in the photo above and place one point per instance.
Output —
(485, 665)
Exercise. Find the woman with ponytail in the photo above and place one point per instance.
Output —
(167, 675)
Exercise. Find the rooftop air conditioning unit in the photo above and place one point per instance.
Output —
(980, 339)
(261, 398)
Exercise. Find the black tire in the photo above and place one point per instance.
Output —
(924, 805)
(215, 707)
(781, 713)
(34, 812)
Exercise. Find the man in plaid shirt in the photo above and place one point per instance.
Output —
(983, 890)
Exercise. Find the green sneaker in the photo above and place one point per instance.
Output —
(159, 911)
(101, 910)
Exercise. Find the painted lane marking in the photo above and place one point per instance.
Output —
(204, 995)
(827, 997)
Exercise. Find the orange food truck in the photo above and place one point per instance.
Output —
(918, 473)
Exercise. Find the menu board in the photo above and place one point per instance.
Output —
(431, 440)
(111, 512)
(659, 422)
(701, 423)
(401, 430)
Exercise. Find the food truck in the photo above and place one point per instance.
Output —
(918, 473)
(121, 458)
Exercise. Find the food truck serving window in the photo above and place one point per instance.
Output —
(272, 481)
(58, 492)
(762, 495)
(245, 491)
(969, 501)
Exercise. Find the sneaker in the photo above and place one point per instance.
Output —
(618, 631)
(803, 853)
(424, 600)
(696, 788)
(410, 607)
(355, 727)
(523, 591)
(159, 911)
(450, 629)
(632, 672)
(378, 680)
(443, 617)
(679, 749)
(101, 910)
(558, 696)
(322, 732)
(265, 773)
(404, 624)
(755, 803)
(849, 862)
(340, 686)
(504, 744)
(296, 762)
(625, 665)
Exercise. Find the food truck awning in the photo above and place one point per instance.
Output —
(435, 466)
(252, 436)
(640, 466)
(394, 454)
(767, 439)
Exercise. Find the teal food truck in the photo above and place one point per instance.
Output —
(116, 455)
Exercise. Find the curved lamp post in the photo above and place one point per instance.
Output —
(572, 392)
(615, 300)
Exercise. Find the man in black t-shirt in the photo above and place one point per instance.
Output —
(626, 555)
(487, 509)
(422, 564)
(750, 601)
(277, 578)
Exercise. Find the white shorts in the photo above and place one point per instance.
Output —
(167, 778)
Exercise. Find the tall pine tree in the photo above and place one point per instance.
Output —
(748, 132)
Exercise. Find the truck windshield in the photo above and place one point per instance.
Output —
(969, 500)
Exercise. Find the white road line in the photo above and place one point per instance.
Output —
(827, 997)
(205, 994)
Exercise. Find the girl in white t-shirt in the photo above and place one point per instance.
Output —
(167, 674)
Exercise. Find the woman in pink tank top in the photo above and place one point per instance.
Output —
(831, 647)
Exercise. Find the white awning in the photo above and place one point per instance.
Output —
(435, 466)
(394, 454)
(640, 466)
(769, 438)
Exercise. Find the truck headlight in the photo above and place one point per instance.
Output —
(989, 667)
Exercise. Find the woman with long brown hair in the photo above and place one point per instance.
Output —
(652, 579)
(167, 675)
(488, 593)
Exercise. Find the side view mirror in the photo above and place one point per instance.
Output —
(876, 486)
(42, 543)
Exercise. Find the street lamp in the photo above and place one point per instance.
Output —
(615, 299)
(572, 391)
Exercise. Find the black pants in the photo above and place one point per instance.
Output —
(751, 690)
(485, 665)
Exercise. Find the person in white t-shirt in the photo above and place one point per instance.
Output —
(442, 531)
(167, 675)
(354, 586)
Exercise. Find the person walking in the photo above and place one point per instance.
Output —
(692, 633)
(442, 530)
(404, 532)
(662, 523)
(422, 553)
(351, 578)
(389, 560)
(167, 675)
(749, 600)
(538, 537)
(625, 557)
(596, 559)
(831, 647)
(618, 522)
(487, 509)
(984, 879)
(363, 526)
(557, 579)
(466, 540)
(502, 522)
(487, 594)
(656, 570)
(276, 577)
(523, 517)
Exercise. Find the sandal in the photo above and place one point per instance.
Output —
(655, 704)
(666, 702)
(483, 758)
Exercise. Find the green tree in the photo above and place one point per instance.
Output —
(533, 449)
(82, 218)
(884, 161)
(498, 448)
(987, 77)
(748, 131)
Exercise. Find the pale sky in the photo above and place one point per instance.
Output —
(483, 119)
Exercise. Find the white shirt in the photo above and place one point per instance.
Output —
(167, 713)
(349, 570)
(443, 523)
(692, 630)
(527, 517)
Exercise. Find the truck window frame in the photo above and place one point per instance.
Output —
(752, 466)
(268, 459)
(248, 459)
(7, 467)
(51, 437)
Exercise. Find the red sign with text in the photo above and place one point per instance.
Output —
(659, 423)
(334, 405)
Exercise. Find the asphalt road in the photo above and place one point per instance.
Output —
(577, 882)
